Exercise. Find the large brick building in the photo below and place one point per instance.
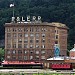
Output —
(34, 41)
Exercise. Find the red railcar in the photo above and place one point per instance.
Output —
(61, 66)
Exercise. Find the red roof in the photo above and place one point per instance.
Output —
(61, 66)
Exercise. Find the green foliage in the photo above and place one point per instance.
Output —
(1, 54)
(50, 10)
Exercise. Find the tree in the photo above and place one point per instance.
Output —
(1, 54)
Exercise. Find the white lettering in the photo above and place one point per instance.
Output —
(23, 19)
(18, 19)
(28, 18)
(13, 19)
(34, 18)
(39, 18)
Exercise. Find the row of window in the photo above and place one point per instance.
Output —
(31, 40)
(38, 29)
(25, 52)
(25, 35)
(26, 57)
(25, 46)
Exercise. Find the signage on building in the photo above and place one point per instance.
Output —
(56, 50)
(28, 19)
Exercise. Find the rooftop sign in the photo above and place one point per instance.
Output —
(28, 19)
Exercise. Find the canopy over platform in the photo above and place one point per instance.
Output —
(18, 63)
(56, 58)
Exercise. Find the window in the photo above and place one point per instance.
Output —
(8, 29)
(25, 45)
(20, 35)
(8, 45)
(37, 52)
(56, 36)
(19, 29)
(19, 51)
(31, 57)
(8, 35)
(56, 31)
(42, 57)
(25, 29)
(37, 46)
(43, 46)
(25, 52)
(8, 57)
(31, 51)
(37, 29)
(8, 51)
(43, 35)
(19, 45)
(37, 40)
(13, 57)
(37, 35)
(37, 57)
(19, 57)
(14, 29)
(25, 57)
(31, 29)
(31, 35)
(20, 40)
(26, 41)
(14, 35)
(43, 52)
(44, 29)
(43, 40)
(14, 45)
(26, 35)
(14, 51)
(31, 46)
(56, 42)
(31, 41)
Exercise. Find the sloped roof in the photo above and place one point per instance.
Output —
(72, 49)
(56, 58)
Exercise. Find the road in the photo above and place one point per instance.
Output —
(33, 71)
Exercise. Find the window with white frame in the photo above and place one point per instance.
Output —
(31, 57)
(43, 40)
(14, 51)
(31, 46)
(8, 57)
(43, 46)
(37, 57)
(37, 40)
(14, 45)
(25, 52)
(42, 57)
(25, 57)
(43, 52)
(37, 34)
(19, 29)
(31, 40)
(31, 35)
(43, 35)
(37, 46)
(26, 35)
(8, 51)
(20, 40)
(37, 52)
(26, 41)
(25, 29)
(25, 45)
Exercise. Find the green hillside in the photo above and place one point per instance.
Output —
(50, 10)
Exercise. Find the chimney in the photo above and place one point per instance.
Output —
(74, 45)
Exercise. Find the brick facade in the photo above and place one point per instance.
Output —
(34, 41)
